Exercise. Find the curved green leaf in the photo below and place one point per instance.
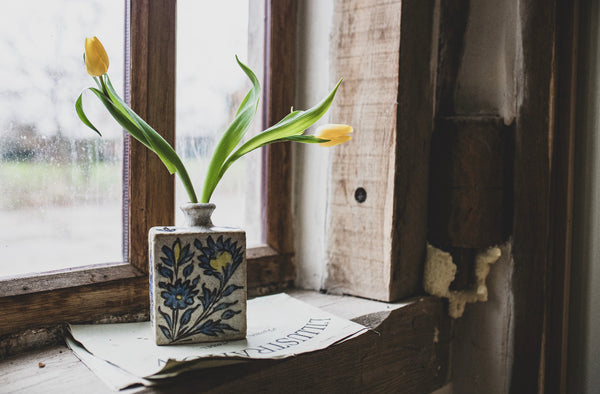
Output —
(306, 139)
(122, 119)
(83, 117)
(158, 144)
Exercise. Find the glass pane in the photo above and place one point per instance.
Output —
(60, 199)
(210, 87)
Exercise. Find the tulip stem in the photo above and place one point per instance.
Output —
(187, 183)
(103, 85)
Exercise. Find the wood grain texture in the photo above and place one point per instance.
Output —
(454, 16)
(384, 53)
(268, 271)
(280, 93)
(61, 279)
(531, 225)
(75, 305)
(470, 199)
(151, 188)
(405, 353)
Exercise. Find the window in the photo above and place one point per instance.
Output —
(92, 293)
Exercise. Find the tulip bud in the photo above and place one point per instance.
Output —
(96, 59)
(335, 133)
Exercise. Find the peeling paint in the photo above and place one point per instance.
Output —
(440, 271)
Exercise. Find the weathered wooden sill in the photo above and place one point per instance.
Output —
(406, 351)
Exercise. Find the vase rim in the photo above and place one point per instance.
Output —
(198, 214)
(198, 205)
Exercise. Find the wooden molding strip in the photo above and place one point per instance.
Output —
(280, 78)
(151, 188)
(71, 277)
(75, 305)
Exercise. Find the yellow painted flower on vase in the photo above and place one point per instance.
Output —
(335, 133)
(221, 260)
(96, 59)
(177, 250)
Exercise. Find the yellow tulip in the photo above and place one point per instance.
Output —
(335, 133)
(96, 59)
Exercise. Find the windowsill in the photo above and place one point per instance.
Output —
(407, 348)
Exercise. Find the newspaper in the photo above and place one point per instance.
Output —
(279, 326)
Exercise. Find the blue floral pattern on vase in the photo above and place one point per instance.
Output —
(191, 305)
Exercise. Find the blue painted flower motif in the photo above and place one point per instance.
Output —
(220, 258)
(179, 295)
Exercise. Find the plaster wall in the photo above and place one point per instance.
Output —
(311, 162)
(486, 83)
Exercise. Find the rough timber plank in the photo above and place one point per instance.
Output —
(376, 248)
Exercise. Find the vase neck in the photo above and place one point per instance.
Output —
(198, 215)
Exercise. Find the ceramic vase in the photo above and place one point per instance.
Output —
(197, 280)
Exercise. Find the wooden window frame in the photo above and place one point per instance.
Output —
(107, 291)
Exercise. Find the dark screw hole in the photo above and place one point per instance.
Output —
(360, 195)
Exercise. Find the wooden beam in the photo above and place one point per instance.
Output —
(470, 198)
(378, 209)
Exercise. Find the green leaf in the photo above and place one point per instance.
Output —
(83, 117)
(306, 139)
(122, 119)
(157, 143)
(233, 134)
